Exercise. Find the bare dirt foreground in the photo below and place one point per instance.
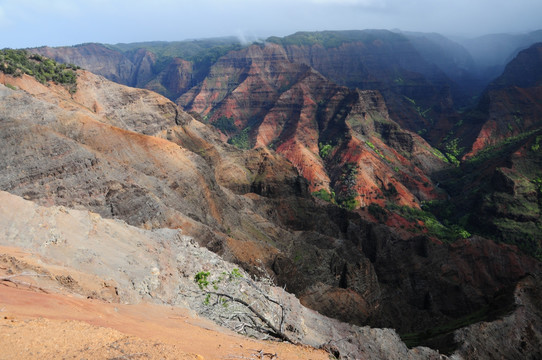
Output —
(37, 322)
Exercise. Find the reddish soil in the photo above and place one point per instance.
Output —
(37, 322)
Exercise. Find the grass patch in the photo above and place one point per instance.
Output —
(435, 228)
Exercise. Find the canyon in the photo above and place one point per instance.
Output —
(340, 165)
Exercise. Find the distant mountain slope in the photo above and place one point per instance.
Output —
(357, 148)
(416, 91)
(424, 78)
(498, 186)
(492, 52)
(511, 104)
(169, 68)
(455, 61)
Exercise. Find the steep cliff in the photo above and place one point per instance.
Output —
(102, 60)
(510, 106)
(169, 68)
(416, 91)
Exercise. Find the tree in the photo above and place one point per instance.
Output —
(236, 301)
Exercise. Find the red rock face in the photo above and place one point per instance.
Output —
(417, 93)
(297, 111)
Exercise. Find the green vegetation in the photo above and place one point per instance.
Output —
(371, 145)
(241, 140)
(422, 113)
(434, 227)
(333, 39)
(453, 151)
(250, 303)
(188, 49)
(503, 205)
(347, 187)
(374, 148)
(325, 195)
(440, 155)
(350, 202)
(225, 124)
(202, 279)
(202, 53)
(325, 150)
(19, 62)
(390, 190)
(536, 146)
(499, 149)
(378, 212)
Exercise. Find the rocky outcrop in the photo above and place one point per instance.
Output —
(516, 336)
(159, 266)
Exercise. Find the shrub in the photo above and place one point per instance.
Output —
(19, 62)
(378, 212)
(324, 195)
(225, 124)
(241, 140)
(325, 150)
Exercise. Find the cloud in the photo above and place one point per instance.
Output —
(68, 22)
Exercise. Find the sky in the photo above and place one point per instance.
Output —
(32, 23)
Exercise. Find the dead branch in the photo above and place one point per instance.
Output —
(11, 279)
(276, 332)
(270, 299)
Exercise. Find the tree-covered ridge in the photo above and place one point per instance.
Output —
(203, 53)
(188, 49)
(331, 39)
(19, 62)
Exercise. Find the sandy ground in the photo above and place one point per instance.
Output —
(41, 323)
